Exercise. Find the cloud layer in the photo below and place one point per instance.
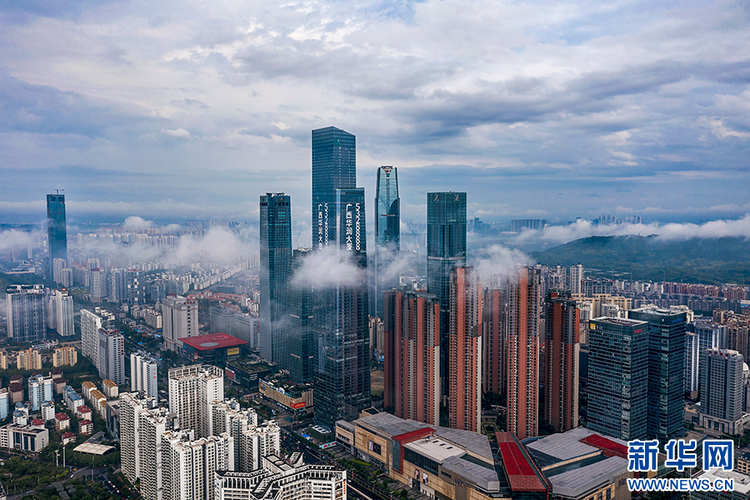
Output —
(194, 109)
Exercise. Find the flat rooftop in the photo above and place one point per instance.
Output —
(435, 448)
(212, 341)
(518, 468)
(93, 449)
(576, 483)
(741, 481)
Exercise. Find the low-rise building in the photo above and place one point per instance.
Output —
(68, 437)
(83, 412)
(292, 396)
(86, 426)
(86, 389)
(111, 390)
(16, 392)
(440, 462)
(48, 411)
(741, 485)
(62, 422)
(289, 479)
(24, 438)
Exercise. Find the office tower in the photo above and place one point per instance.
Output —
(561, 349)
(112, 356)
(411, 333)
(692, 363)
(144, 374)
(192, 389)
(341, 368)
(180, 317)
(722, 391)
(494, 323)
(710, 335)
(618, 377)
(97, 285)
(65, 356)
(60, 313)
(334, 166)
(57, 232)
(387, 235)
(666, 371)
(446, 247)
(300, 310)
(290, 480)
(40, 390)
(465, 350)
(522, 362)
(275, 266)
(189, 464)
(576, 279)
(26, 306)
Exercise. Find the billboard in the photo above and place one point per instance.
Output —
(297, 406)
(233, 351)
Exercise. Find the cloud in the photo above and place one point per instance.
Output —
(179, 133)
(329, 267)
(673, 231)
(18, 239)
(135, 223)
(495, 263)
(218, 244)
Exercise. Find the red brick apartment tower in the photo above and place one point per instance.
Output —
(562, 345)
(493, 340)
(411, 336)
(465, 350)
(523, 352)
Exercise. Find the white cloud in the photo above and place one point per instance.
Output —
(179, 133)
(329, 267)
(135, 223)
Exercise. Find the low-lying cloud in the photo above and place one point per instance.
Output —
(497, 262)
(329, 267)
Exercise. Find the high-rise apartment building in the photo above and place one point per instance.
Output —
(711, 335)
(446, 247)
(144, 374)
(522, 364)
(98, 284)
(722, 391)
(561, 349)
(334, 166)
(692, 362)
(576, 279)
(465, 350)
(112, 356)
(131, 405)
(275, 267)
(65, 356)
(60, 313)
(666, 370)
(91, 323)
(618, 377)
(57, 232)
(300, 323)
(387, 235)
(341, 372)
(192, 389)
(180, 317)
(40, 390)
(189, 464)
(411, 333)
(494, 324)
(26, 306)
(30, 359)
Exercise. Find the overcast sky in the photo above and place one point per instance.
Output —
(180, 109)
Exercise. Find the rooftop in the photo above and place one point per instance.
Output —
(93, 449)
(620, 321)
(576, 483)
(741, 481)
(435, 448)
(518, 468)
(212, 341)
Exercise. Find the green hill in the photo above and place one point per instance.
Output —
(713, 261)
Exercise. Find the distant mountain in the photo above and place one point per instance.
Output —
(712, 261)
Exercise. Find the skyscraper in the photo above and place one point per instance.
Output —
(618, 377)
(275, 266)
(494, 324)
(666, 369)
(112, 356)
(61, 313)
(143, 374)
(91, 323)
(300, 324)
(192, 390)
(446, 247)
(57, 231)
(387, 234)
(576, 279)
(561, 350)
(522, 362)
(721, 391)
(334, 166)
(341, 372)
(465, 350)
(342, 362)
(411, 333)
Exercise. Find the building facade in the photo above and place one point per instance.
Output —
(112, 355)
(494, 324)
(144, 374)
(411, 335)
(722, 391)
(192, 389)
(300, 309)
(561, 349)
(523, 351)
(180, 319)
(387, 235)
(26, 307)
(57, 231)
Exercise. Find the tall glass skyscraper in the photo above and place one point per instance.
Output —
(275, 268)
(334, 166)
(341, 370)
(300, 309)
(57, 232)
(446, 247)
(387, 235)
